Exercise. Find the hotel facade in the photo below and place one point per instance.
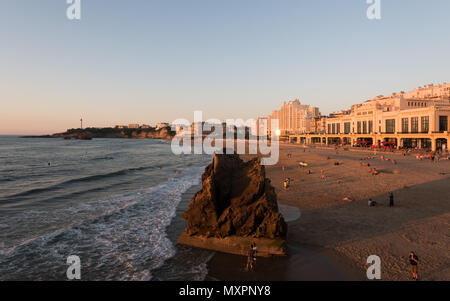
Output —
(294, 117)
(416, 119)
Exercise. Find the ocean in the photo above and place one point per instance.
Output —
(115, 203)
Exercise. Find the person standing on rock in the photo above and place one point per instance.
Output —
(250, 258)
(255, 252)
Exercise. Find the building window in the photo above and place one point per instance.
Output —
(359, 127)
(365, 127)
(347, 128)
(414, 124)
(425, 124)
(334, 128)
(370, 126)
(405, 126)
(338, 128)
(390, 126)
(443, 123)
(329, 129)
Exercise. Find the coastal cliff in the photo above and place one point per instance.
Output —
(236, 206)
(89, 133)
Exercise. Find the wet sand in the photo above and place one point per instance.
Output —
(332, 238)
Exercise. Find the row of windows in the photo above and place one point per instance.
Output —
(364, 113)
(334, 128)
(408, 125)
(363, 127)
(416, 104)
(424, 124)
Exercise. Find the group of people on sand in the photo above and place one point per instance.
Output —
(373, 171)
(413, 259)
(301, 164)
(383, 158)
(364, 164)
(432, 157)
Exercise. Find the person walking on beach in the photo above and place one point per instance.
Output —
(414, 261)
(322, 174)
(285, 184)
(391, 199)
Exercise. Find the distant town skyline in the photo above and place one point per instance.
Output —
(155, 61)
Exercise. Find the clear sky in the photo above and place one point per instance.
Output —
(149, 61)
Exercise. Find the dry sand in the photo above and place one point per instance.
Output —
(333, 237)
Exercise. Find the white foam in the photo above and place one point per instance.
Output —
(122, 237)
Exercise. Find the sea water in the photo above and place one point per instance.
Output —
(108, 201)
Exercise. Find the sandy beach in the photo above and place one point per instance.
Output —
(333, 237)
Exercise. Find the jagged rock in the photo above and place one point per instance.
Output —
(236, 200)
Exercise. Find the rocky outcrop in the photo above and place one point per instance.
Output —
(164, 133)
(89, 133)
(238, 204)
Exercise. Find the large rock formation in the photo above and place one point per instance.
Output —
(237, 205)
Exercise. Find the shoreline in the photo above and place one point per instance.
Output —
(332, 238)
(311, 263)
(187, 263)
(221, 266)
(301, 264)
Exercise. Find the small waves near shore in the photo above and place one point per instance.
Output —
(113, 213)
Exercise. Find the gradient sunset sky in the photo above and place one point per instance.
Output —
(151, 61)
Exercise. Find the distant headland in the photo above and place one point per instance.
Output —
(164, 133)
